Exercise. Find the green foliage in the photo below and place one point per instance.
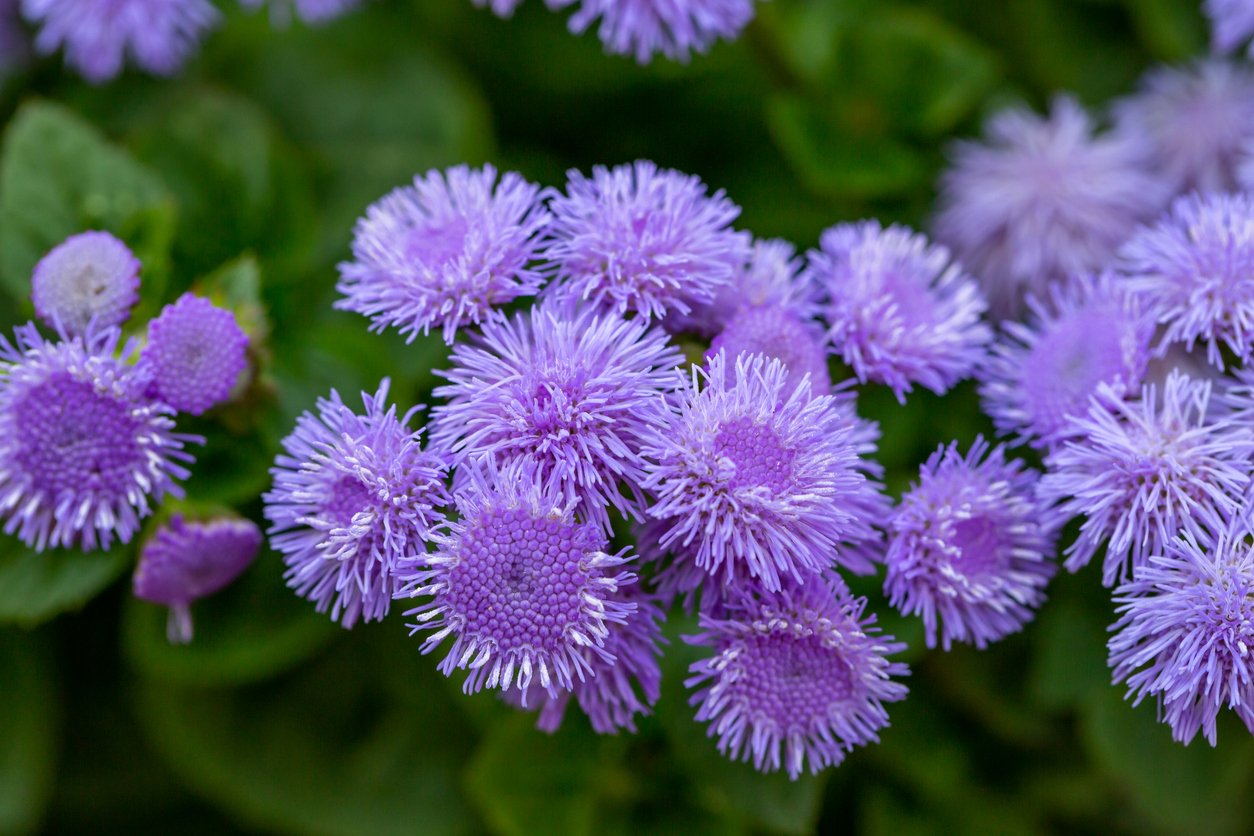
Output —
(36, 586)
(28, 720)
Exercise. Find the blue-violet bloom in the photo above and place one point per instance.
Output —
(671, 27)
(1231, 24)
(88, 275)
(195, 354)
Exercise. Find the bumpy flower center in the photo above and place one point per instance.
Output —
(981, 545)
(518, 580)
(755, 452)
(350, 496)
(436, 245)
(915, 305)
(791, 679)
(1069, 362)
(778, 334)
(71, 438)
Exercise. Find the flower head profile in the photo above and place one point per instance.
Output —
(185, 561)
(899, 311)
(1042, 199)
(82, 448)
(91, 274)
(797, 676)
(195, 353)
(446, 252)
(352, 495)
(672, 27)
(636, 238)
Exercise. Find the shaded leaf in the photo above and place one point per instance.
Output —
(36, 586)
(28, 721)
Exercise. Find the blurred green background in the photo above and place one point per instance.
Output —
(244, 177)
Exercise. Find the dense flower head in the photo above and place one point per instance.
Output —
(353, 495)
(195, 353)
(82, 448)
(1231, 23)
(799, 675)
(754, 478)
(899, 311)
(778, 333)
(968, 546)
(88, 275)
(1090, 331)
(185, 561)
(672, 27)
(1185, 630)
(1195, 269)
(1143, 471)
(577, 393)
(445, 252)
(524, 588)
(636, 238)
(1043, 199)
(98, 35)
(1197, 120)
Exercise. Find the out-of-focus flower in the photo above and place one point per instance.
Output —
(91, 274)
(195, 353)
(776, 332)
(1231, 23)
(500, 8)
(672, 27)
(311, 12)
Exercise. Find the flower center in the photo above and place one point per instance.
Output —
(436, 245)
(792, 679)
(756, 454)
(982, 549)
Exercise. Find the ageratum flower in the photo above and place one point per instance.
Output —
(1142, 472)
(82, 448)
(1039, 375)
(1197, 120)
(522, 586)
(639, 239)
(186, 561)
(195, 353)
(157, 35)
(799, 675)
(969, 546)
(1231, 23)
(576, 393)
(352, 496)
(776, 332)
(1042, 200)
(446, 252)
(671, 27)
(899, 312)
(91, 274)
(1195, 269)
(753, 478)
(1185, 630)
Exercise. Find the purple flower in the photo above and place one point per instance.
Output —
(639, 239)
(800, 670)
(1141, 473)
(671, 27)
(185, 561)
(1197, 121)
(311, 12)
(753, 478)
(195, 353)
(1185, 631)
(446, 252)
(969, 543)
(158, 35)
(81, 447)
(1231, 23)
(353, 495)
(521, 585)
(1195, 269)
(576, 393)
(1040, 374)
(899, 311)
(779, 334)
(1041, 200)
(91, 274)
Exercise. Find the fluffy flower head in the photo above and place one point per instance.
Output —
(776, 332)
(195, 353)
(91, 274)
(671, 27)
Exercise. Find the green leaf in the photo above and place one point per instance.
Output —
(254, 629)
(1171, 29)
(28, 724)
(58, 176)
(36, 586)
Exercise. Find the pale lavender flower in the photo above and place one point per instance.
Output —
(91, 274)
(185, 561)
(671, 27)
(899, 311)
(446, 252)
(576, 393)
(195, 354)
(1231, 23)
(1195, 269)
(352, 496)
(797, 676)
(1039, 374)
(778, 333)
(82, 448)
(753, 478)
(638, 239)
(524, 588)
(1185, 631)
(1141, 472)
(1043, 199)
(970, 546)
(99, 35)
